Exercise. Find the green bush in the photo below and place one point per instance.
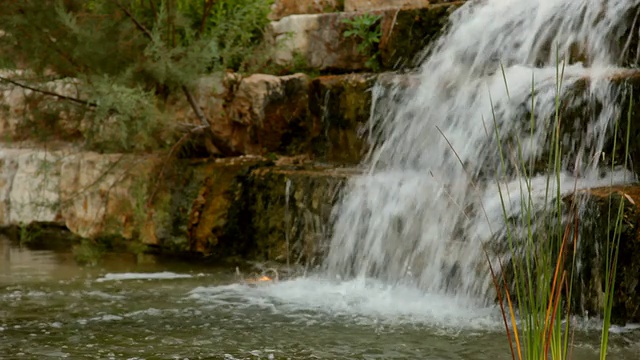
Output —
(130, 56)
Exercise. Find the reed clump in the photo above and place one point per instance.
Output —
(535, 298)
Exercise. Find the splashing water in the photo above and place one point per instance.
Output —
(414, 217)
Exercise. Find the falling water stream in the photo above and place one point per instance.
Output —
(405, 277)
(429, 200)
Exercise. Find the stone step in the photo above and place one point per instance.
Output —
(282, 8)
(317, 41)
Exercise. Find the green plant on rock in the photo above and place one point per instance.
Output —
(88, 252)
(366, 29)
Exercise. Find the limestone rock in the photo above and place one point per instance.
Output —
(22, 109)
(282, 8)
(103, 193)
(34, 195)
(372, 5)
(317, 41)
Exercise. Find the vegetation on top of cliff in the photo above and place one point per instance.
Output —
(130, 57)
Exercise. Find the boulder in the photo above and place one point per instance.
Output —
(263, 110)
(318, 41)
(255, 114)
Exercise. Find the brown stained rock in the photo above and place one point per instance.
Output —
(407, 32)
(209, 212)
(263, 109)
(372, 5)
(282, 8)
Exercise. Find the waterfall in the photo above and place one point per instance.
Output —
(414, 216)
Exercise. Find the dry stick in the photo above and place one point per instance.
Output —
(217, 140)
(47, 92)
(207, 6)
(174, 148)
(139, 25)
(511, 311)
(555, 289)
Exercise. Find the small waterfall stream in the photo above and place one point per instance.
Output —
(413, 217)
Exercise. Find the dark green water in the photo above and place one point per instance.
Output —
(51, 308)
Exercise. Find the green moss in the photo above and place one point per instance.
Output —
(339, 106)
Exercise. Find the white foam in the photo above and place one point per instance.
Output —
(363, 300)
(616, 329)
(142, 276)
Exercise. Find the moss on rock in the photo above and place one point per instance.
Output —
(290, 212)
(339, 106)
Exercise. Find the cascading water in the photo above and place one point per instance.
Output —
(415, 217)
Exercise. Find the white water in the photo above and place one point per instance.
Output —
(414, 218)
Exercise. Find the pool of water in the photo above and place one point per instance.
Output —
(51, 308)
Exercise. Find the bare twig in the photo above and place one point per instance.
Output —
(218, 141)
(206, 11)
(138, 24)
(47, 92)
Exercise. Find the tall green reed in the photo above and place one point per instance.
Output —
(542, 247)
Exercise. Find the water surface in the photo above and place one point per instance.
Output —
(50, 308)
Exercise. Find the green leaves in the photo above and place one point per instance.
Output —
(366, 30)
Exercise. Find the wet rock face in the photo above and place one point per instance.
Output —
(340, 107)
(598, 234)
(291, 212)
(407, 33)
